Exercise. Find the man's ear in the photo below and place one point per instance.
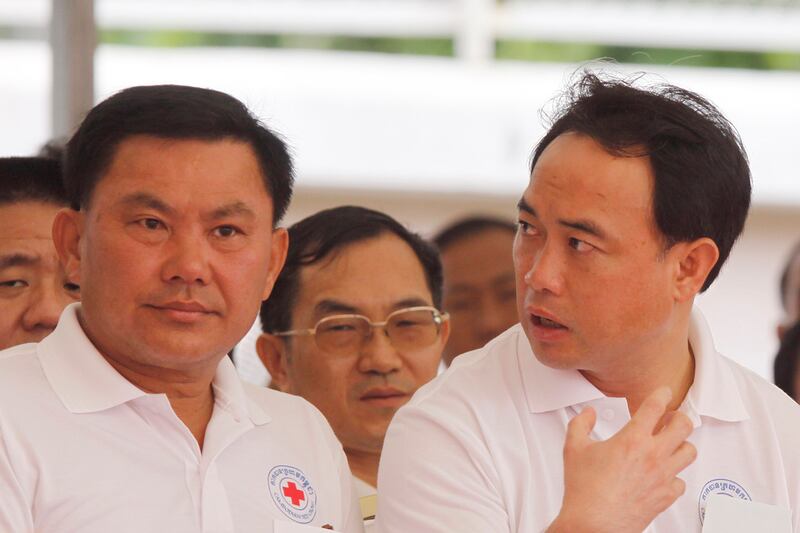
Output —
(272, 352)
(277, 256)
(67, 232)
(694, 261)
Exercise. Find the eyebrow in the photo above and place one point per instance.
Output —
(232, 209)
(581, 224)
(12, 260)
(330, 306)
(143, 199)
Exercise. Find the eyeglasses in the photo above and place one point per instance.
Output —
(409, 330)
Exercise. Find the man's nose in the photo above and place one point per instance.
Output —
(46, 305)
(378, 355)
(187, 261)
(546, 271)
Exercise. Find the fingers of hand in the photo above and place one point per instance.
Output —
(675, 433)
(651, 411)
(679, 460)
(579, 428)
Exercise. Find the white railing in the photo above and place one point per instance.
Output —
(474, 25)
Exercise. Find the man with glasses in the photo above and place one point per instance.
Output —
(353, 325)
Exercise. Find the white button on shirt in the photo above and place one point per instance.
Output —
(82, 449)
(480, 448)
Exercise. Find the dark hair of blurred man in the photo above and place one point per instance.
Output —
(786, 367)
(790, 291)
(129, 417)
(479, 291)
(353, 324)
(33, 286)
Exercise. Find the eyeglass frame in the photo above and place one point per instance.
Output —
(440, 317)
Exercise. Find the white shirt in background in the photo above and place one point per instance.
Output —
(480, 448)
(82, 449)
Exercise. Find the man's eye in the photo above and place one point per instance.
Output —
(14, 283)
(72, 287)
(579, 245)
(526, 228)
(151, 223)
(226, 231)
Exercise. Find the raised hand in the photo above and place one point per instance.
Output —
(623, 483)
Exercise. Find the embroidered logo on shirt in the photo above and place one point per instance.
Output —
(725, 487)
(292, 493)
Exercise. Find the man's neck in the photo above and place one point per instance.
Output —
(188, 390)
(669, 365)
(190, 395)
(364, 465)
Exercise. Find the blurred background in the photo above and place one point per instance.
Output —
(429, 109)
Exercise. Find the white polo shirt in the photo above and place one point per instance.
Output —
(82, 449)
(480, 448)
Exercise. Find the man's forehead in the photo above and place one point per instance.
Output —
(360, 279)
(27, 221)
(188, 167)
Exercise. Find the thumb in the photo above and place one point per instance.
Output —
(579, 428)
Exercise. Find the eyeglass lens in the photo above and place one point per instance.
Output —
(407, 331)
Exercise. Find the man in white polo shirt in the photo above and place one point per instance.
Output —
(130, 417)
(635, 199)
(353, 326)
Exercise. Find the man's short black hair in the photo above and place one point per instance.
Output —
(702, 178)
(328, 232)
(467, 227)
(172, 112)
(31, 179)
(788, 360)
(787, 268)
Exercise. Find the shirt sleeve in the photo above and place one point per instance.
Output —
(436, 476)
(15, 512)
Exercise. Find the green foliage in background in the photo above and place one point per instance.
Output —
(505, 49)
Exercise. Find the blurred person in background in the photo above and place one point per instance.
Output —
(790, 291)
(786, 367)
(34, 288)
(353, 325)
(479, 292)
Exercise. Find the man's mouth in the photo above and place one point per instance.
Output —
(183, 311)
(546, 322)
(384, 396)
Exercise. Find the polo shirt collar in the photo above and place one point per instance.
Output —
(86, 383)
(549, 389)
(82, 378)
(714, 393)
(230, 394)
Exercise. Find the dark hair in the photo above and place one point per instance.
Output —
(328, 232)
(172, 112)
(702, 178)
(786, 362)
(31, 179)
(793, 256)
(466, 227)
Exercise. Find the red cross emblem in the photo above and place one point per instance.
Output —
(294, 494)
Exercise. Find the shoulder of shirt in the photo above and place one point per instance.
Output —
(474, 366)
(28, 349)
(291, 408)
(16, 362)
